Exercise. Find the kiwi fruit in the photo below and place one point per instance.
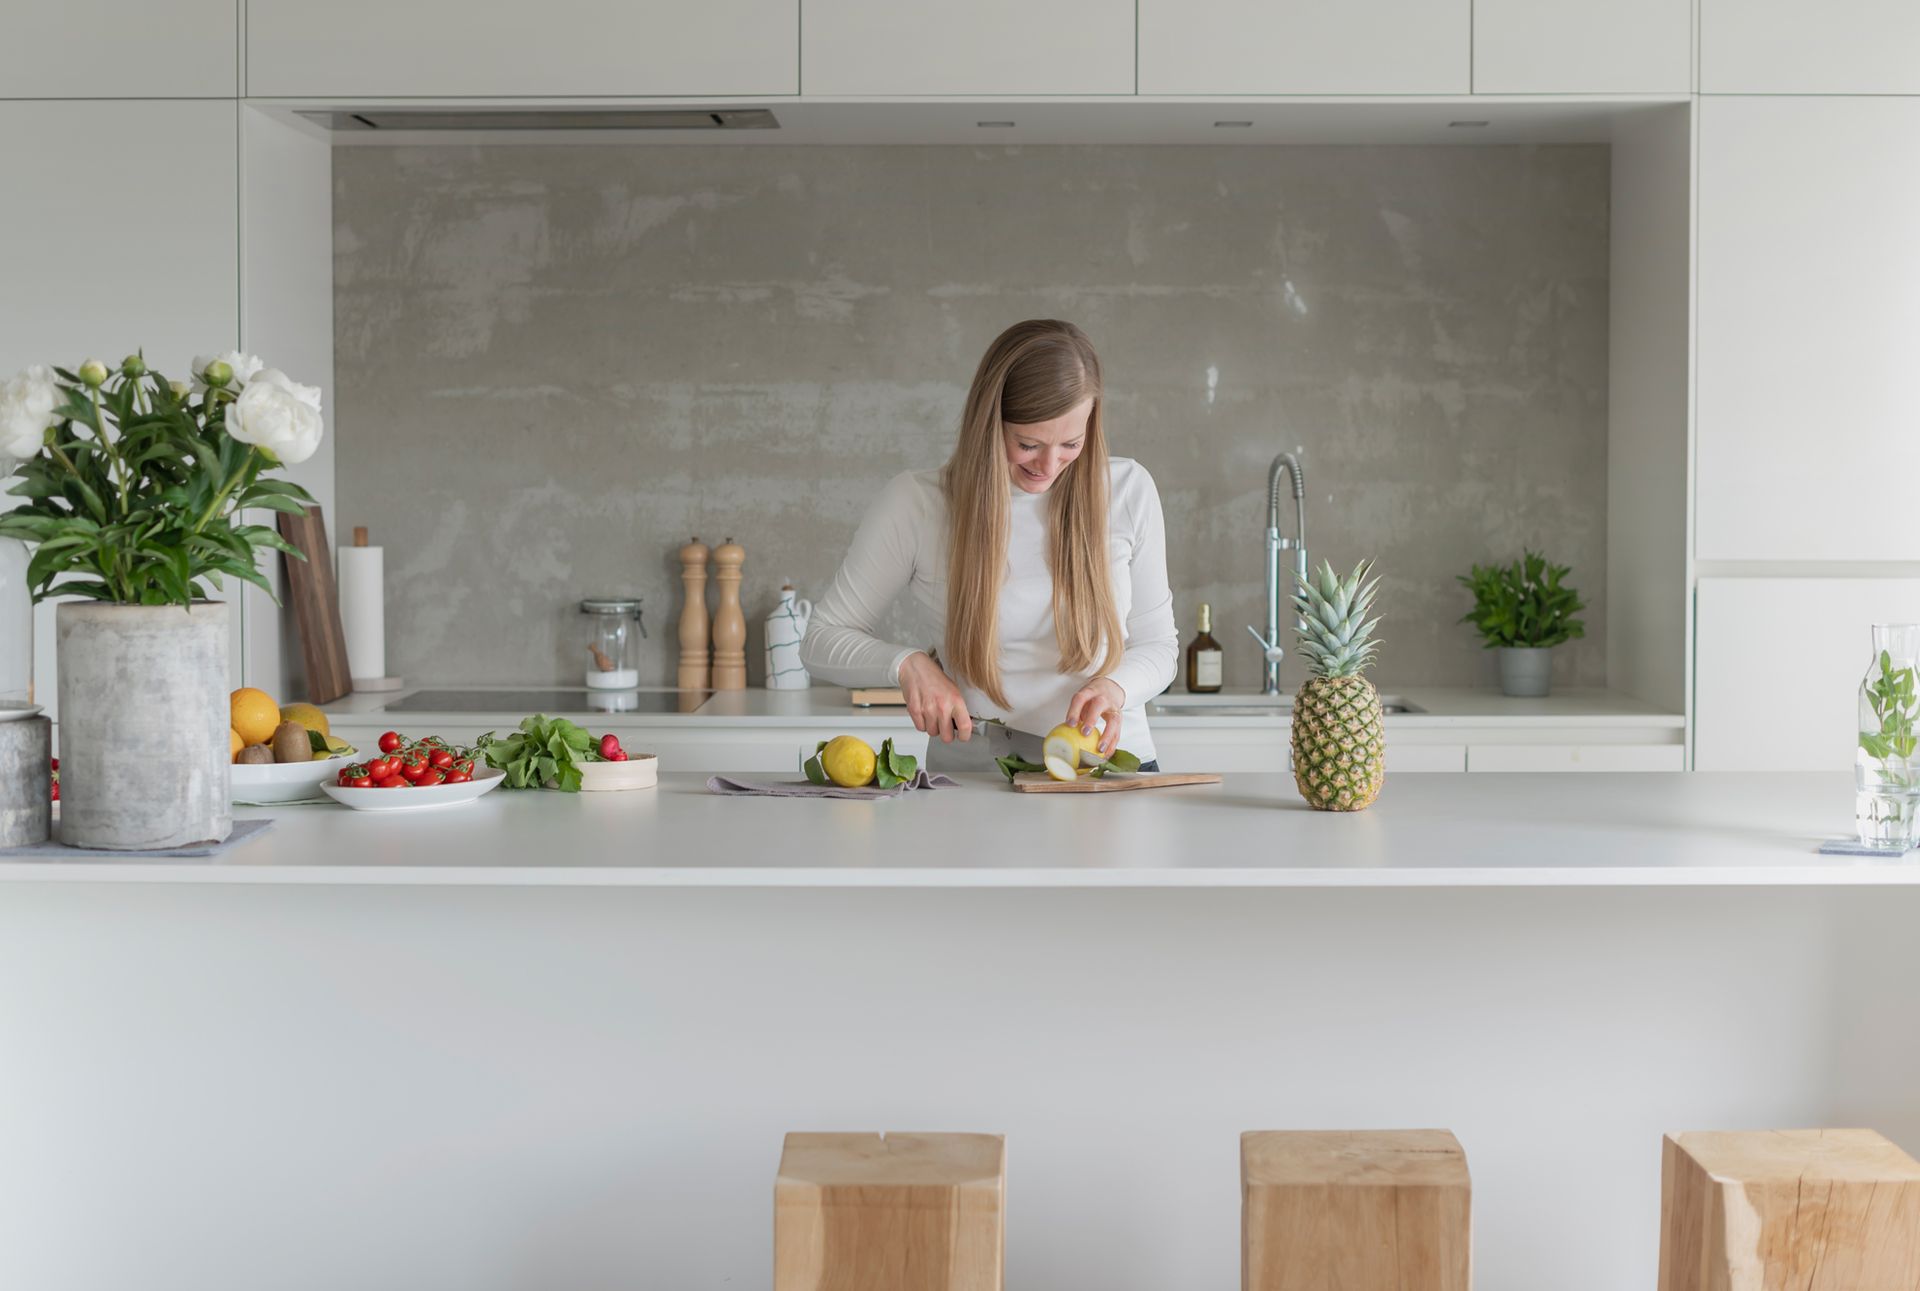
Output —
(254, 755)
(290, 743)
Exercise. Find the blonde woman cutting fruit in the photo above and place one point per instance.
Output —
(1038, 564)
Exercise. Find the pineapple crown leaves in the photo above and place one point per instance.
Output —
(1336, 636)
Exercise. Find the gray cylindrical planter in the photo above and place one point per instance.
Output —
(26, 781)
(145, 760)
(1526, 672)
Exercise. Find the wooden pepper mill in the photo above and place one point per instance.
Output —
(695, 663)
(729, 620)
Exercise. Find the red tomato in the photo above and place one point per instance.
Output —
(458, 777)
(464, 764)
(440, 759)
(381, 768)
(391, 782)
(358, 782)
(390, 741)
(430, 777)
(56, 763)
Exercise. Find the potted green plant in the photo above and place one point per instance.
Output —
(1524, 610)
(133, 487)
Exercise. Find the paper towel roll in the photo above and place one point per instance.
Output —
(363, 619)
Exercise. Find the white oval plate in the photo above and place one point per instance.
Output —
(14, 712)
(415, 799)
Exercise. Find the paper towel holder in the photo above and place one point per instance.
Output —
(371, 685)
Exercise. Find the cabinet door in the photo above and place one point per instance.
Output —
(908, 47)
(152, 49)
(1582, 46)
(1809, 47)
(101, 279)
(1809, 313)
(1778, 668)
(638, 48)
(1295, 47)
(1576, 757)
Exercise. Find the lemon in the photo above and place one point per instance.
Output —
(308, 716)
(849, 762)
(255, 715)
(237, 744)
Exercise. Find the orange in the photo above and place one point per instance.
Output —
(255, 715)
(238, 744)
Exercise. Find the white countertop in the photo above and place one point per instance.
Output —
(1252, 831)
(1443, 708)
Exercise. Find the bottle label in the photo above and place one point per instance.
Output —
(1206, 667)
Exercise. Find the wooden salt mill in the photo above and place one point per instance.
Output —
(729, 620)
(695, 663)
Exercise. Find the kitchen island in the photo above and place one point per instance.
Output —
(553, 1040)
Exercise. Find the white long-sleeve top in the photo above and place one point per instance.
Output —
(901, 546)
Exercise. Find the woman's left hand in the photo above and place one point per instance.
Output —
(1098, 704)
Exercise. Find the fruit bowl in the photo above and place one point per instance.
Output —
(416, 797)
(274, 782)
(639, 771)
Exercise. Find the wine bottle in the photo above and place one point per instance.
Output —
(1204, 657)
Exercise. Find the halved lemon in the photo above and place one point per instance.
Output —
(1061, 756)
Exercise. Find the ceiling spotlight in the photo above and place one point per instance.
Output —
(1231, 125)
(1466, 125)
(994, 125)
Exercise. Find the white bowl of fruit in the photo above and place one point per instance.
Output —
(281, 754)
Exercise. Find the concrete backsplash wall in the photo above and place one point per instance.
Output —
(555, 364)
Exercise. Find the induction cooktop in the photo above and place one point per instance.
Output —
(558, 702)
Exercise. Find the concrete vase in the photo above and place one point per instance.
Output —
(1526, 672)
(144, 755)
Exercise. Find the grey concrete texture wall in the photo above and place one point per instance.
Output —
(555, 364)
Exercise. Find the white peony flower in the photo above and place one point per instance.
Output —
(279, 415)
(26, 410)
(244, 366)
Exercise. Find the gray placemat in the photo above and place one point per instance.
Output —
(734, 785)
(57, 850)
(1854, 847)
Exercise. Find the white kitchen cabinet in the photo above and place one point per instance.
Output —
(1577, 757)
(1582, 46)
(1809, 47)
(1298, 47)
(638, 48)
(87, 278)
(1809, 329)
(912, 47)
(153, 49)
(1778, 663)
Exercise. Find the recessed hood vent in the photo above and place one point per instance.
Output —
(446, 119)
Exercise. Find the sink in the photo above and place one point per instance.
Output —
(1250, 705)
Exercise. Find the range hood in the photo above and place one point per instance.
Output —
(453, 119)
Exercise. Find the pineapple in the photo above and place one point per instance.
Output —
(1339, 754)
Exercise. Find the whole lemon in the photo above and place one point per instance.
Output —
(255, 715)
(238, 744)
(308, 716)
(848, 761)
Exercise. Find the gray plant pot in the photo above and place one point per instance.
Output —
(1526, 672)
(145, 760)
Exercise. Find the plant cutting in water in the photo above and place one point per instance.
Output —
(1891, 697)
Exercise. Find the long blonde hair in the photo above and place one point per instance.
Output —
(1034, 371)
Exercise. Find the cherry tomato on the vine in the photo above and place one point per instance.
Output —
(390, 741)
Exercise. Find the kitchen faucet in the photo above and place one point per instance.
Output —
(1270, 643)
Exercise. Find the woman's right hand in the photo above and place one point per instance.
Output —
(933, 701)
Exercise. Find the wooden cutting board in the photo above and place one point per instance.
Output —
(1041, 782)
(316, 607)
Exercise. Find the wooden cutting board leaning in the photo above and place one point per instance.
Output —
(1041, 782)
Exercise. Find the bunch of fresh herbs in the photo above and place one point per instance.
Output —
(1891, 696)
(544, 751)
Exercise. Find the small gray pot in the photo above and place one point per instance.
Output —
(1526, 672)
(145, 759)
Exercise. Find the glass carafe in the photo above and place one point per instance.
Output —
(1886, 757)
(611, 658)
(16, 627)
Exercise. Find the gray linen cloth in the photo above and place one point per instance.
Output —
(734, 785)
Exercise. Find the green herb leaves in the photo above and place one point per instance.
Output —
(1523, 604)
(546, 750)
(893, 768)
(1891, 696)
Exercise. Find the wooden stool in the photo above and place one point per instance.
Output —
(890, 1212)
(1336, 1209)
(1769, 1210)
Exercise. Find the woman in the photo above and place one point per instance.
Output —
(1037, 563)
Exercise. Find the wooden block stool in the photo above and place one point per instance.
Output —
(1788, 1210)
(1338, 1210)
(890, 1212)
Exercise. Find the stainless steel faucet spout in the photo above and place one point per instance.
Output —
(1287, 464)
